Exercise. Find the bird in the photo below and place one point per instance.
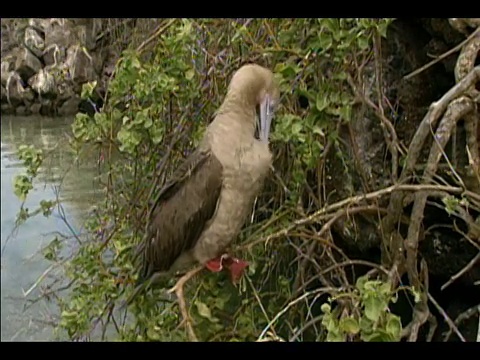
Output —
(203, 206)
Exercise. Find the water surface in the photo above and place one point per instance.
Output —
(21, 262)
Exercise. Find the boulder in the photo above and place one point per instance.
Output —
(28, 96)
(70, 107)
(59, 32)
(85, 35)
(6, 109)
(27, 64)
(64, 91)
(39, 24)
(5, 67)
(47, 108)
(43, 83)
(15, 89)
(53, 54)
(34, 42)
(22, 110)
(8, 64)
(4, 95)
(35, 108)
(80, 65)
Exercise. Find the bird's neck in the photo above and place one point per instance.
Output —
(238, 107)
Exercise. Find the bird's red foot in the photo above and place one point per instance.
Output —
(215, 265)
(234, 265)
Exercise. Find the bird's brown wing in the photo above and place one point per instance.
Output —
(182, 208)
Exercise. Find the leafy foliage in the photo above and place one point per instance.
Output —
(158, 103)
(370, 318)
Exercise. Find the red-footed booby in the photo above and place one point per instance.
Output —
(203, 207)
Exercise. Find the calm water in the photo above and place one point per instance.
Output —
(21, 263)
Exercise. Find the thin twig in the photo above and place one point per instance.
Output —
(465, 269)
(443, 56)
(178, 289)
(157, 32)
(449, 321)
(350, 201)
(292, 303)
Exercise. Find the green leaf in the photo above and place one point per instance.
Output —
(360, 284)
(153, 335)
(87, 89)
(385, 289)
(325, 40)
(318, 130)
(417, 295)
(335, 336)
(326, 308)
(296, 128)
(363, 42)
(156, 134)
(346, 112)
(373, 308)
(321, 102)
(189, 74)
(394, 326)
(377, 336)
(349, 325)
(147, 124)
(203, 310)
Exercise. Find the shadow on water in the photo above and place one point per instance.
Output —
(21, 262)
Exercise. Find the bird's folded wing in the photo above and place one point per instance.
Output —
(182, 209)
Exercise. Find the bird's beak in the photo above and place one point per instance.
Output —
(266, 115)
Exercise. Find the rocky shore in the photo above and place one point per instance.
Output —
(45, 62)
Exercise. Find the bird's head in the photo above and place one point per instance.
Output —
(256, 85)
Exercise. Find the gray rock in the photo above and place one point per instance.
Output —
(27, 64)
(53, 54)
(5, 67)
(47, 108)
(15, 90)
(41, 24)
(28, 96)
(80, 65)
(70, 107)
(34, 42)
(7, 109)
(4, 95)
(59, 32)
(35, 108)
(8, 64)
(43, 83)
(21, 110)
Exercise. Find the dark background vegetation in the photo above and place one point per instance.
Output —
(370, 179)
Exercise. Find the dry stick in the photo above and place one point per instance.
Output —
(421, 312)
(429, 121)
(449, 321)
(456, 110)
(473, 145)
(462, 317)
(157, 32)
(343, 264)
(443, 56)
(433, 327)
(478, 332)
(461, 272)
(385, 123)
(305, 327)
(292, 303)
(340, 213)
(350, 201)
(178, 289)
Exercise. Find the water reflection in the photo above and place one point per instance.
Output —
(21, 265)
